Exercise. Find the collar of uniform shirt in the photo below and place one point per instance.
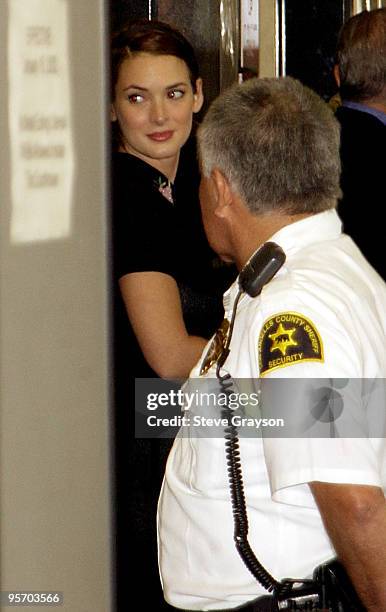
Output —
(366, 109)
(315, 228)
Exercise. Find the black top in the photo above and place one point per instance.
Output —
(152, 234)
(363, 141)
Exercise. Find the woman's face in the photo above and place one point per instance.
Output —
(154, 103)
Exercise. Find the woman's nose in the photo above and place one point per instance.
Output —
(158, 111)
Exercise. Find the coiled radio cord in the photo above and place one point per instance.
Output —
(236, 486)
(235, 476)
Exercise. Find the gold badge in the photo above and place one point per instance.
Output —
(216, 347)
(288, 338)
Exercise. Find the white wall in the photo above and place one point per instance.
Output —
(55, 423)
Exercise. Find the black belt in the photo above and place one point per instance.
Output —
(262, 604)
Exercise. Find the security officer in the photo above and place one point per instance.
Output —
(270, 161)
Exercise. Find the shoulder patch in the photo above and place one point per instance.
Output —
(287, 338)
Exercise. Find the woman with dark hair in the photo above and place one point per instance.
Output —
(169, 282)
(168, 276)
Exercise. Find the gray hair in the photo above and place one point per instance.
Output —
(277, 142)
(361, 56)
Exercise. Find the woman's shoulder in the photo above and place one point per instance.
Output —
(131, 169)
(136, 186)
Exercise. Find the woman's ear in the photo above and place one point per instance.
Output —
(198, 97)
(113, 114)
(336, 74)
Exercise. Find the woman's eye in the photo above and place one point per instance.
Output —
(175, 94)
(135, 98)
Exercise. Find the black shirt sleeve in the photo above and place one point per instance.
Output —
(143, 220)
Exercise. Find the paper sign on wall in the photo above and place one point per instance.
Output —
(40, 126)
(250, 34)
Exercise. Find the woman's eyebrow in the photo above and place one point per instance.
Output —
(176, 85)
(138, 87)
(133, 86)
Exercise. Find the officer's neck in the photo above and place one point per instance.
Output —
(260, 229)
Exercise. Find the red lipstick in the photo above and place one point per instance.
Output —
(161, 136)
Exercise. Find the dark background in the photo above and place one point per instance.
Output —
(311, 34)
(312, 27)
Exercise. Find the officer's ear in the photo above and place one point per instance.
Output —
(198, 97)
(223, 193)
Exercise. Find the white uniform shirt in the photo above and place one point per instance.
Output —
(326, 282)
